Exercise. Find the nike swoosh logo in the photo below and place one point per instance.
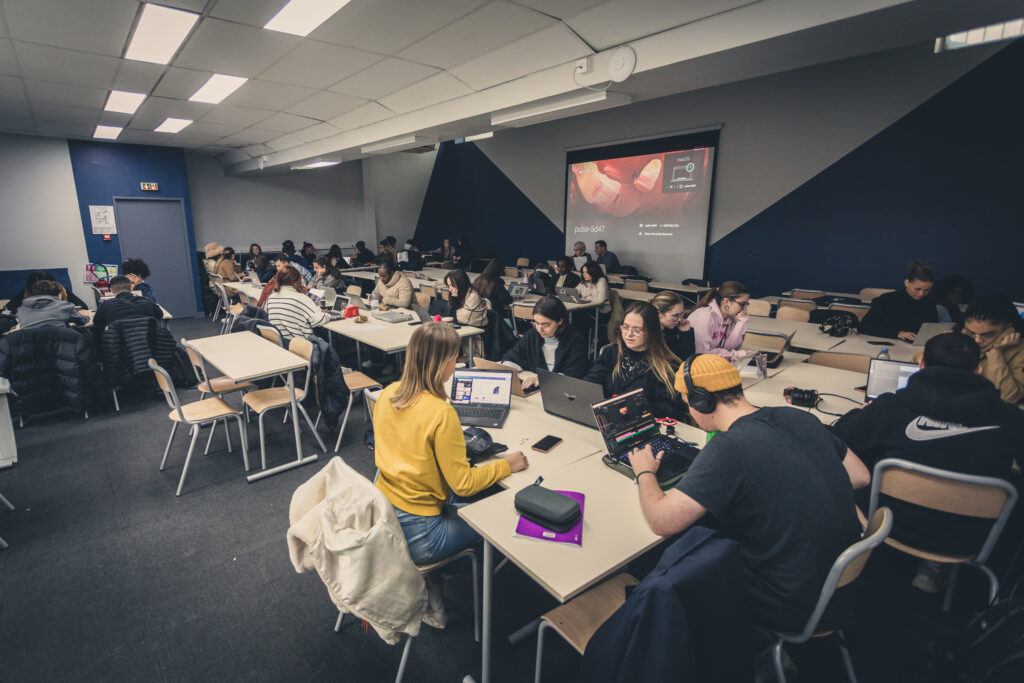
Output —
(925, 429)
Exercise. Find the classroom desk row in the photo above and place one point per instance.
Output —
(808, 336)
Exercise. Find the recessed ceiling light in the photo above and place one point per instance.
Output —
(107, 132)
(217, 88)
(1005, 30)
(159, 34)
(172, 125)
(481, 136)
(315, 164)
(124, 102)
(300, 17)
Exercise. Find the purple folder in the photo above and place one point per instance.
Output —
(525, 527)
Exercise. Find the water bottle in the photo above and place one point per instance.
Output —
(374, 304)
(883, 354)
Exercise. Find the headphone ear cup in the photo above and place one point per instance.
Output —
(702, 400)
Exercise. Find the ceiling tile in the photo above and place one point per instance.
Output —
(220, 130)
(284, 142)
(250, 12)
(439, 88)
(371, 112)
(387, 26)
(621, 21)
(251, 136)
(545, 48)
(233, 49)
(66, 95)
(233, 157)
(257, 150)
(98, 27)
(13, 108)
(8, 60)
(181, 84)
(383, 78)
(212, 150)
(238, 117)
(188, 138)
(145, 122)
(325, 105)
(492, 26)
(113, 118)
(317, 132)
(163, 107)
(287, 123)
(196, 6)
(44, 63)
(55, 112)
(560, 8)
(12, 87)
(267, 95)
(65, 129)
(136, 76)
(142, 137)
(317, 64)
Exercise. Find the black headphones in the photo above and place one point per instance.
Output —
(802, 398)
(699, 398)
(837, 324)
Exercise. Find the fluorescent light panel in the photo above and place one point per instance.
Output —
(160, 33)
(397, 144)
(300, 17)
(172, 125)
(217, 88)
(1005, 30)
(481, 136)
(107, 132)
(558, 108)
(315, 164)
(124, 102)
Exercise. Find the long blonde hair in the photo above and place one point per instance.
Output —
(665, 301)
(662, 361)
(431, 348)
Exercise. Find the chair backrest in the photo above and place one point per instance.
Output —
(511, 272)
(854, 362)
(96, 294)
(196, 359)
(223, 294)
(797, 303)
(302, 348)
(522, 262)
(847, 567)
(214, 277)
(354, 290)
(765, 341)
(806, 294)
(523, 311)
(759, 307)
(637, 285)
(946, 491)
(859, 311)
(429, 290)
(271, 334)
(792, 313)
(163, 380)
(423, 299)
(871, 293)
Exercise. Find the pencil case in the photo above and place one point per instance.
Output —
(547, 508)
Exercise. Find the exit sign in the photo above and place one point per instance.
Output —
(149, 187)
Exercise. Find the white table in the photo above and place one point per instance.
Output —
(244, 356)
(866, 345)
(391, 338)
(808, 336)
(768, 392)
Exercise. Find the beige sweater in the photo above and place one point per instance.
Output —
(397, 292)
(473, 311)
(1005, 369)
(595, 293)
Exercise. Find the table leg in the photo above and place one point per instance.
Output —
(299, 460)
(468, 342)
(359, 358)
(597, 320)
(485, 666)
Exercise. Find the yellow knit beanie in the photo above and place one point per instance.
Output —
(711, 372)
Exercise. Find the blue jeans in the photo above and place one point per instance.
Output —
(432, 539)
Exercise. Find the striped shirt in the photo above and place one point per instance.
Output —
(294, 314)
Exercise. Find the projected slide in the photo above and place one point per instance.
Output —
(651, 209)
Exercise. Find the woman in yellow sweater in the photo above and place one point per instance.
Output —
(421, 452)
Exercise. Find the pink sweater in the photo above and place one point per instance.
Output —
(714, 334)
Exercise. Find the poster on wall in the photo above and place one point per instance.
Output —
(103, 220)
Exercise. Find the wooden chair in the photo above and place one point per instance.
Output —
(195, 414)
(223, 305)
(845, 570)
(423, 299)
(522, 312)
(635, 285)
(806, 294)
(872, 293)
(357, 383)
(263, 401)
(522, 262)
(218, 386)
(578, 620)
(271, 334)
(793, 313)
(859, 311)
(511, 272)
(429, 290)
(802, 304)
(354, 290)
(759, 307)
(853, 362)
(953, 493)
(764, 341)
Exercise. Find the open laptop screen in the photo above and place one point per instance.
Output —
(482, 387)
(887, 376)
(625, 421)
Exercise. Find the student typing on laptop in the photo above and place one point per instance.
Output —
(899, 314)
(752, 479)
(551, 343)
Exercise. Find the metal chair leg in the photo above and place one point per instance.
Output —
(167, 449)
(947, 604)
(209, 439)
(117, 406)
(3, 544)
(847, 661)
(337, 624)
(188, 459)
(780, 675)
(540, 650)
(344, 421)
(405, 658)
(323, 447)
(6, 503)
(227, 434)
(476, 596)
(263, 442)
(243, 437)
(993, 582)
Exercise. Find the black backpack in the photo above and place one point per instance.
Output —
(991, 647)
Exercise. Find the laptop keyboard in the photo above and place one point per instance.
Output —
(479, 411)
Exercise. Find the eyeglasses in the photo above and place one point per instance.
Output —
(743, 304)
(637, 331)
(678, 316)
(984, 336)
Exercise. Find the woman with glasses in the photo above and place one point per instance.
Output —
(995, 325)
(675, 327)
(720, 320)
(639, 358)
(551, 344)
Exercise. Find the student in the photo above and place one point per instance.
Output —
(393, 288)
(949, 294)
(413, 256)
(565, 276)
(324, 274)
(308, 252)
(594, 287)
(994, 324)
(752, 478)
(462, 255)
(579, 250)
(720, 320)
(288, 249)
(263, 267)
(445, 252)
(900, 314)
(551, 343)
(226, 266)
(606, 258)
(363, 255)
(136, 270)
(282, 261)
(336, 258)
(674, 326)
(46, 308)
(289, 309)
(123, 305)
(420, 453)
(490, 285)
(947, 417)
(639, 358)
(249, 260)
(464, 302)
(34, 277)
(385, 254)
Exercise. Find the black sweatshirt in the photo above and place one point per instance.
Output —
(897, 312)
(570, 356)
(635, 373)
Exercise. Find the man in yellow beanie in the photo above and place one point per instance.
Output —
(775, 480)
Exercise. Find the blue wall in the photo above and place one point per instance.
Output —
(106, 170)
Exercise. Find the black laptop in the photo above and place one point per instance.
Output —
(569, 397)
(481, 397)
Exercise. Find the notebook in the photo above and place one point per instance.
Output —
(573, 536)
(569, 397)
(887, 376)
(482, 397)
(929, 330)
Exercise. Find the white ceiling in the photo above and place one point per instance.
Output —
(383, 68)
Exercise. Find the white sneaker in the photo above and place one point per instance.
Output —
(367, 363)
(927, 578)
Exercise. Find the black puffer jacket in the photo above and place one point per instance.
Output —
(50, 368)
(128, 344)
(328, 385)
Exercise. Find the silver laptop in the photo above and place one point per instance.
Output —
(929, 330)
(569, 295)
(518, 290)
(569, 397)
(254, 277)
(391, 316)
(887, 376)
(330, 296)
(482, 397)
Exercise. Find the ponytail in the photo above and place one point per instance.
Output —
(730, 289)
